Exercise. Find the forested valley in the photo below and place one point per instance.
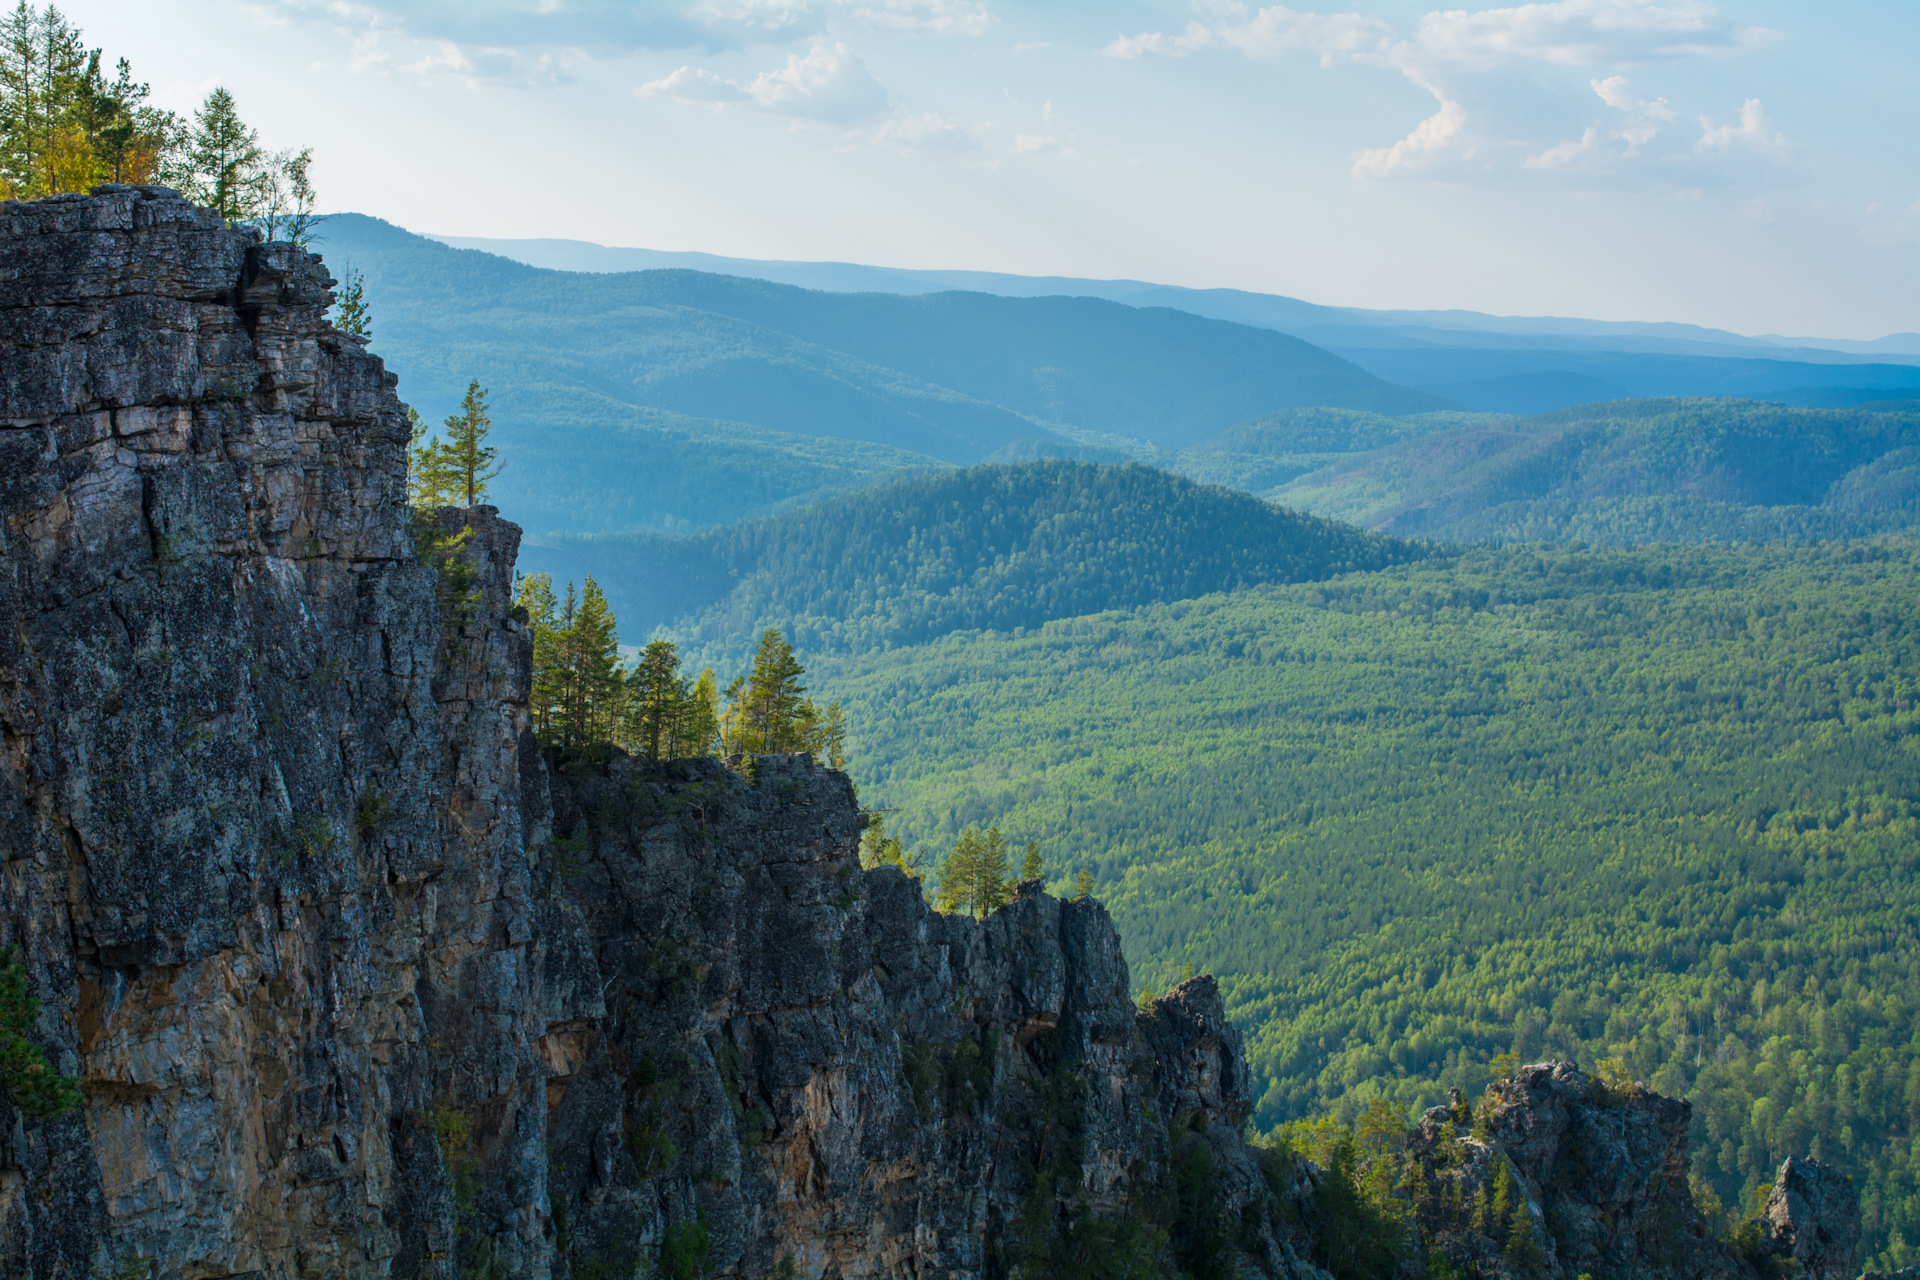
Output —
(1426, 810)
(1655, 806)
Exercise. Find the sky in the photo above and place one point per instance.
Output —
(1749, 166)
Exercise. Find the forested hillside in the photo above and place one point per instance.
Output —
(1649, 805)
(993, 546)
(1636, 471)
(610, 389)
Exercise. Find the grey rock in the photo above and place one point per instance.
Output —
(1812, 1215)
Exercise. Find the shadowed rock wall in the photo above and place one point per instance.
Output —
(264, 825)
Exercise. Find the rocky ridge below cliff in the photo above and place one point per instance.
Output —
(356, 983)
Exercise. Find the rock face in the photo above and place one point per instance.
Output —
(354, 988)
(1813, 1217)
(818, 1071)
(1555, 1171)
(266, 823)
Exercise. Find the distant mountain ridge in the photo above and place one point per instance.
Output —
(670, 399)
(1263, 309)
(1502, 364)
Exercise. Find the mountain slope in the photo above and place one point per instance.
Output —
(1636, 471)
(1658, 806)
(989, 547)
(955, 376)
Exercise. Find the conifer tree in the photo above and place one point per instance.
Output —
(659, 698)
(830, 737)
(700, 726)
(463, 456)
(590, 681)
(225, 160)
(65, 127)
(432, 481)
(878, 849)
(1030, 868)
(974, 877)
(1082, 885)
(772, 703)
(996, 887)
(960, 873)
(535, 595)
(351, 314)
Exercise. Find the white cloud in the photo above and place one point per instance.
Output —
(1754, 133)
(510, 41)
(1585, 33)
(929, 132)
(828, 85)
(1439, 137)
(1607, 149)
(1614, 92)
(1479, 64)
(932, 17)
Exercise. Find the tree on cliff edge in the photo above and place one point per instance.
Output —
(454, 471)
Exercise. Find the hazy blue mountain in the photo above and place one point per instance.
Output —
(1264, 310)
(1500, 364)
(1535, 380)
(976, 370)
(1666, 470)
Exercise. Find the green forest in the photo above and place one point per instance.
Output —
(1623, 472)
(994, 546)
(1652, 805)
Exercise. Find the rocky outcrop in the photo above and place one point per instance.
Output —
(268, 829)
(1812, 1216)
(1554, 1171)
(814, 1069)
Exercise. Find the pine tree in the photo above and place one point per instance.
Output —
(1030, 868)
(432, 479)
(464, 452)
(351, 314)
(974, 877)
(996, 888)
(63, 126)
(225, 160)
(590, 681)
(700, 726)
(960, 873)
(1082, 885)
(535, 595)
(878, 849)
(830, 737)
(659, 698)
(772, 704)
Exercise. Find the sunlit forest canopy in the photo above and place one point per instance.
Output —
(1656, 805)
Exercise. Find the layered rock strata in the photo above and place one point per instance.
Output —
(267, 827)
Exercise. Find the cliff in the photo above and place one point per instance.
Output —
(354, 987)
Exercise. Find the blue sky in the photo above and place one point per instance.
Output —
(1750, 166)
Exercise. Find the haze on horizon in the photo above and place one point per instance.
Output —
(1748, 166)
